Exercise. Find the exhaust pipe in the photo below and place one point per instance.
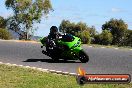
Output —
(42, 46)
(46, 53)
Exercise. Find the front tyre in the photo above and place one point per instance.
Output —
(83, 57)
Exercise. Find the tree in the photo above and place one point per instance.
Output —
(106, 37)
(117, 28)
(79, 29)
(80, 26)
(70, 27)
(85, 37)
(92, 31)
(128, 38)
(97, 39)
(26, 13)
(83, 31)
(67, 27)
(2, 22)
(4, 34)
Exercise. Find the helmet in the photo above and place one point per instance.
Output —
(53, 29)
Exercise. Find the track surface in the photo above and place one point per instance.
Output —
(102, 60)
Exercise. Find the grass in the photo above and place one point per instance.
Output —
(111, 46)
(17, 77)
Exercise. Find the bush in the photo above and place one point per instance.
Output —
(105, 38)
(127, 39)
(4, 34)
(85, 37)
(96, 39)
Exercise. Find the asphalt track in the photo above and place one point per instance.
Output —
(102, 60)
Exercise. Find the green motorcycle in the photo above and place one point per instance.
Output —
(68, 47)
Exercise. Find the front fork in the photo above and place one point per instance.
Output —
(42, 46)
(75, 53)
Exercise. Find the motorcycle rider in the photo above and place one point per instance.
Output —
(53, 37)
(51, 46)
(54, 34)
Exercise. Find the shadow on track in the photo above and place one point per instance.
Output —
(50, 61)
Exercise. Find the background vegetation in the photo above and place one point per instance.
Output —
(25, 14)
(114, 32)
(4, 33)
(29, 12)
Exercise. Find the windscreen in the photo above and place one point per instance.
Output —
(67, 38)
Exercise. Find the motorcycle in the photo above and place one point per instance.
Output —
(68, 47)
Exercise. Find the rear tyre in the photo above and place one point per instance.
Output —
(54, 57)
(83, 57)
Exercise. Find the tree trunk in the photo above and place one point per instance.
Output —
(27, 37)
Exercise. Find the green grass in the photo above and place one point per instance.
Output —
(17, 77)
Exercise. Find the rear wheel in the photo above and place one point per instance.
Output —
(83, 57)
(54, 56)
(55, 59)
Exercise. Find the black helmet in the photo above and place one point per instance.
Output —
(53, 29)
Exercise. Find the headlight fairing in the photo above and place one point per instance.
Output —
(78, 43)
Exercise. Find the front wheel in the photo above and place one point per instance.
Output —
(83, 57)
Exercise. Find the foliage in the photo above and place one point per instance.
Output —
(117, 28)
(67, 27)
(85, 36)
(92, 31)
(128, 39)
(97, 39)
(26, 13)
(106, 37)
(2, 22)
(93, 34)
(70, 27)
(4, 34)
(79, 29)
